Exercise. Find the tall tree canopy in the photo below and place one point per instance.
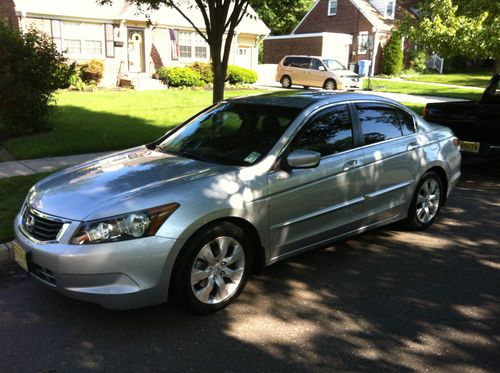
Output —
(457, 28)
(221, 17)
(282, 16)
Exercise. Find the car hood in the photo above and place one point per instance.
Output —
(79, 191)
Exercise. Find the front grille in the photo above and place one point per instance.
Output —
(43, 274)
(40, 226)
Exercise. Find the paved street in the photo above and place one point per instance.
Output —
(388, 300)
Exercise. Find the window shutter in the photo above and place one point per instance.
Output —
(110, 40)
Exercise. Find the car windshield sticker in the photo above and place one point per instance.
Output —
(252, 157)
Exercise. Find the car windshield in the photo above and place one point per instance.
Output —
(231, 133)
(333, 64)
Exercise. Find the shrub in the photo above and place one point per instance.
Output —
(205, 71)
(92, 71)
(31, 71)
(392, 58)
(179, 76)
(240, 75)
(417, 60)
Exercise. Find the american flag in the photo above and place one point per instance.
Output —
(174, 44)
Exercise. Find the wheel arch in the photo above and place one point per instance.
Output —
(259, 256)
(444, 179)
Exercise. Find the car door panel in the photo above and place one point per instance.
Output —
(391, 166)
(307, 206)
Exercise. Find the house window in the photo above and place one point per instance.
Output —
(200, 49)
(81, 40)
(185, 44)
(192, 46)
(391, 5)
(362, 42)
(332, 7)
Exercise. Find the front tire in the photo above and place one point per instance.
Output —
(426, 202)
(213, 268)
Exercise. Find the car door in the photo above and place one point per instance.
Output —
(316, 77)
(310, 206)
(392, 160)
(300, 67)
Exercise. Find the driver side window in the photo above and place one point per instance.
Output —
(328, 132)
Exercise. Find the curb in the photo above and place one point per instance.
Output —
(6, 254)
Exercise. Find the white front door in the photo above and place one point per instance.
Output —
(244, 57)
(136, 51)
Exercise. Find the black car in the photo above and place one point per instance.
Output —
(476, 124)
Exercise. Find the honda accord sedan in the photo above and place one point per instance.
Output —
(243, 184)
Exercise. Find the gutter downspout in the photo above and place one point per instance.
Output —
(375, 50)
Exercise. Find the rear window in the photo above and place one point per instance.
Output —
(300, 62)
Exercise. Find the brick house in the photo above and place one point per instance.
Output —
(369, 23)
(131, 45)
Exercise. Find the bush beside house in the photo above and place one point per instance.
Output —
(31, 70)
(199, 74)
(392, 58)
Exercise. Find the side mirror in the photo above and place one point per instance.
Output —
(322, 68)
(303, 159)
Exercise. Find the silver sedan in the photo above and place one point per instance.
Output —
(242, 185)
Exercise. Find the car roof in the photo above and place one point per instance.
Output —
(301, 100)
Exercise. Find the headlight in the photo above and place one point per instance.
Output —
(123, 227)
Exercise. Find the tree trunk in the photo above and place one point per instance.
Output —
(219, 80)
(497, 64)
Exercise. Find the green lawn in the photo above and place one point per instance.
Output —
(86, 122)
(469, 79)
(384, 85)
(14, 190)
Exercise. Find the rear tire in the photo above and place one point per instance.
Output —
(213, 268)
(286, 81)
(426, 202)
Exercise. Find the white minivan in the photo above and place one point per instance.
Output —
(310, 71)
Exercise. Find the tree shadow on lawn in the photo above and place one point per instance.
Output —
(78, 131)
(388, 300)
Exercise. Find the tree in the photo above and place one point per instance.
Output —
(456, 28)
(31, 70)
(392, 58)
(221, 17)
(282, 16)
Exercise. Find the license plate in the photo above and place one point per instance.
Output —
(20, 256)
(469, 147)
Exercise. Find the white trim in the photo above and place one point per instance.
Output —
(346, 38)
(307, 15)
(360, 35)
(330, 8)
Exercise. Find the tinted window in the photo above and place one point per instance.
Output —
(378, 123)
(406, 121)
(329, 132)
(300, 62)
(286, 61)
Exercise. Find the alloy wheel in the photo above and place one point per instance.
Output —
(428, 200)
(217, 270)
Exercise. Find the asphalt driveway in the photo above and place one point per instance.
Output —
(388, 300)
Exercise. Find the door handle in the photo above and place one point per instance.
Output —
(411, 146)
(354, 163)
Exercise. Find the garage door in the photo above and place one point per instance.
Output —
(338, 52)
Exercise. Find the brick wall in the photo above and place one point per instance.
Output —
(276, 49)
(8, 13)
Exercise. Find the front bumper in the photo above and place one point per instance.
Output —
(119, 275)
(349, 83)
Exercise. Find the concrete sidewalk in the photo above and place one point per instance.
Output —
(36, 166)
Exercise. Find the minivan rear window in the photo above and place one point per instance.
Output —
(300, 62)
